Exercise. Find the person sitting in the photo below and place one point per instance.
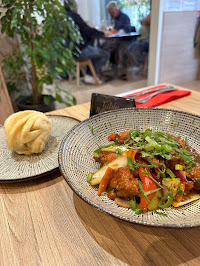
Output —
(140, 48)
(121, 20)
(98, 56)
(135, 54)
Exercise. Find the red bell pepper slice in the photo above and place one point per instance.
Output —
(148, 184)
(121, 137)
(181, 141)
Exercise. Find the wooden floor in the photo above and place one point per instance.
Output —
(114, 87)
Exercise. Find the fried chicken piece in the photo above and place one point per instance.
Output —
(175, 160)
(194, 175)
(125, 183)
(189, 186)
(195, 172)
(112, 195)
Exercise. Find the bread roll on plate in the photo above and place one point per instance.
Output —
(27, 132)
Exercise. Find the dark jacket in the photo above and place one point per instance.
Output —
(122, 22)
(88, 34)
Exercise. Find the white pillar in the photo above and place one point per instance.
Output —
(155, 41)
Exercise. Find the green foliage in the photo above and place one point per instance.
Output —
(142, 7)
(124, 3)
(13, 67)
(43, 51)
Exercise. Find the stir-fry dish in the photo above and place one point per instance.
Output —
(146, 170)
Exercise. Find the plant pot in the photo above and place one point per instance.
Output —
(25, 103)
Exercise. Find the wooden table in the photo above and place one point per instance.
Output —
(115, 43)
(42, 222)
(125, 36)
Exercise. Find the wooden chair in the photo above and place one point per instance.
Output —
(80, 65)
(6, 107)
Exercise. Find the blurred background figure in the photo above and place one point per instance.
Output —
(120, 20)
(136, 53)
(98, 56)
(139, 49)
(145, 29)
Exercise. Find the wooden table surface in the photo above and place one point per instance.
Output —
(42, 222)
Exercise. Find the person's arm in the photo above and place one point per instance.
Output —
(92, 32)
(84, 27)
(146, 21)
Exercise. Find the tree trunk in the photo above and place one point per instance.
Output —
(34, 84)
(33, 67)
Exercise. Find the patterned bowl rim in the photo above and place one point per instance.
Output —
(102, 209)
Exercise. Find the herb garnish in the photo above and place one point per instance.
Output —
(89, 177)
(160, 213)
(91, 129)
(95, 153)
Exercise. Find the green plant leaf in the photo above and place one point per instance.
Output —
(74, 101)
(27, 29)
(43, 44)
(36, 43)
(14, 23)
(49, 80)
(15, 11)
(59, 70)
(40, 86)
(46, 100)
(59, 98)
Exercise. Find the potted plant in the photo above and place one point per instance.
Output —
(42, 27)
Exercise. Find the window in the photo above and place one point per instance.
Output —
(136, 10)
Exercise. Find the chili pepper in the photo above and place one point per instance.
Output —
(148, 184)
(167, 198)
(108, 176)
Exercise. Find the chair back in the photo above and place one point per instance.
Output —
(133, 29)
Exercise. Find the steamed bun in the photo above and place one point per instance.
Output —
(27, 132)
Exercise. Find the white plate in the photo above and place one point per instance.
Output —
(15, 167)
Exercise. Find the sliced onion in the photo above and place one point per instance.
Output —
(159, 180)
(178, 174)
(123, 202)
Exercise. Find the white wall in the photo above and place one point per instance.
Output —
(155, 41)
(157, 11)
(89, 10)
(182, 5)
